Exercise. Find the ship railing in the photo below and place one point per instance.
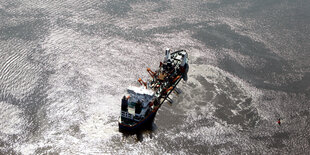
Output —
(136, 117)
(126, 115)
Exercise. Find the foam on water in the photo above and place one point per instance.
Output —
(83, 102)
(18, 77)
(11, 120)
(217, 76)
(92, 51)
(213, 131)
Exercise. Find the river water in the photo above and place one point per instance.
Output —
(65, 65)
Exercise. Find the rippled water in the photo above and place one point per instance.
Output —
(64, 66)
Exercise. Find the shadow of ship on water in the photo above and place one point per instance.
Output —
(147, 130)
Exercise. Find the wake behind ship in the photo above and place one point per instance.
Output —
(140, 105)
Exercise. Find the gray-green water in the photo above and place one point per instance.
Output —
(64, 66)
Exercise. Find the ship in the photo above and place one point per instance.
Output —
(141, 103)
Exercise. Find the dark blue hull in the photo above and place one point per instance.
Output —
(147, 122)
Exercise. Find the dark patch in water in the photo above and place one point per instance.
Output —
(208, 96)
(260, 138)
(6, 147)
(169, 117)
(246, 103)
(46, 150)
(281, 135)
(246, 117)
(222, 36)
(277, 139)
(29, 30)
(118, 8)
(191, 84)
(304, 113)
(181, 142)
(208, 86)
